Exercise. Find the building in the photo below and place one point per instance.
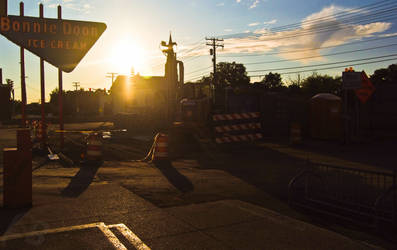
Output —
(150, 97)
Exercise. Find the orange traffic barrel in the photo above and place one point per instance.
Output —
(94, 147)
(160, 152)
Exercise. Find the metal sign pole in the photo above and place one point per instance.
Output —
(23, 78)
(3, 7)
(42, 88)
(60, 100)
(345, 111)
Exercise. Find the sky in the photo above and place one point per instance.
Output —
(284, 36)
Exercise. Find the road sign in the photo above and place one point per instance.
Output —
(351, 80)
(366, 90)
(62, 43)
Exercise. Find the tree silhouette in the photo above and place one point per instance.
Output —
(272, 81)
(231, 74)
(316, 83)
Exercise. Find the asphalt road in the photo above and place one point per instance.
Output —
(201, 200)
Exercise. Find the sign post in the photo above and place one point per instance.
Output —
(60, 87)
(3, 7)
(23, 77)
(42, 90)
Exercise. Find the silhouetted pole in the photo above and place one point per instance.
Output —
(3, 7)
(42, 89)
(112, 75)
(214, 45)
(60, 99)
(23, 78)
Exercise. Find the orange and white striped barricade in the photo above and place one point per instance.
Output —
(237, 127)
(93, 147)
(160, 150)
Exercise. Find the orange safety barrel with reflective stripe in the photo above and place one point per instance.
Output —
(160, 152)
(94, 147)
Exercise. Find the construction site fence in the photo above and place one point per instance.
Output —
(363, 196)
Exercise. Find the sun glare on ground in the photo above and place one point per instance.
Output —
(127, 55)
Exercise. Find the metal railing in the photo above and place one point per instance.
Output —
(363, 196)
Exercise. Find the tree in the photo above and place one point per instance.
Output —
(272, 81)
(231, 74)
(10, 84)
(385, 76)
(316, 83)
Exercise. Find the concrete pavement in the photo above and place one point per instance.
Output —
(227, 224)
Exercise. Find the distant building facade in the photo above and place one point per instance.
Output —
(150, 96)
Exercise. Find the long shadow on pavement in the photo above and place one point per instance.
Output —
(179, 181)
(9, 217)
(81, 181)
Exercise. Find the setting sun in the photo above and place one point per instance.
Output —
(127, 55)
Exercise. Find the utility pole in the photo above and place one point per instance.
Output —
(76, 85)
(214, 43)
(112, 75)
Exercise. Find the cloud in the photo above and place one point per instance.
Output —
(228, 30)
(253, 24)
(310, 34)
(81, 6)
(254, 4)
(271, 22)
(251, 4)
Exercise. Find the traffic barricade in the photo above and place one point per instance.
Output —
(237, 127)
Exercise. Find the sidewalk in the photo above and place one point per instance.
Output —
(228, 224)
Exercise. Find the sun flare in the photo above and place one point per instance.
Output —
(127, 55)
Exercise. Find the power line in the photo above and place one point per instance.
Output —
(192, 58)
(353, 12)
(331, 54)
(77, 85)
(339, 14)
(196, 78)
(303, 50)
(200, 74)
(323, 64)
(318, 31)
(111, 75)
(192, 44)
(198, 70)
(190, 50)
(334, 67)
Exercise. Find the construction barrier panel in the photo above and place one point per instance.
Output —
(237, 127)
